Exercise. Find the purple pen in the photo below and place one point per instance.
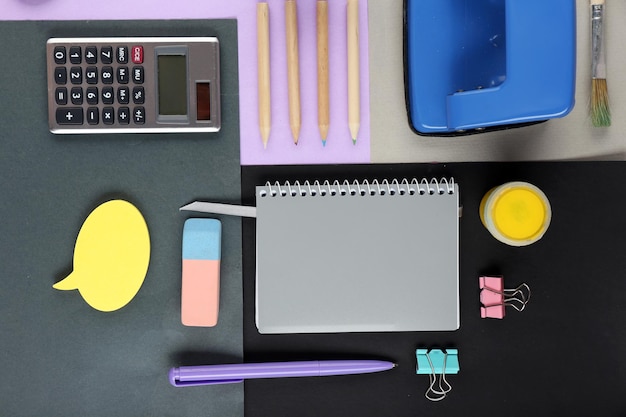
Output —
(185, 376)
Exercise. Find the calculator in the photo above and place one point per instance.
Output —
(133, 85)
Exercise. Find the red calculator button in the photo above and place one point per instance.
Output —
(137, 54)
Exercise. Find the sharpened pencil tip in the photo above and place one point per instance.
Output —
(354, 141)
(324, 143)
(265, 135)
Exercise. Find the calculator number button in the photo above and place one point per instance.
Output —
(108, 95)
(91, 55)
(59, 55)
(92, 95)
(69, 116)
(106, 54)
(91, 75)
(107, 75)
(76, 75)
(76, 56)
(77, 96)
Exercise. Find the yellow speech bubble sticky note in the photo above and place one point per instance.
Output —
(111, 256)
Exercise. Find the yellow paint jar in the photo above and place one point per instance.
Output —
(516, 213)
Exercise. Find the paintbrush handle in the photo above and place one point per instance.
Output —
(598, 58)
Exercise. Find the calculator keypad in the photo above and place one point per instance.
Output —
(80, 80)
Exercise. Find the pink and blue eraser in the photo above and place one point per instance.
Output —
(201, 272)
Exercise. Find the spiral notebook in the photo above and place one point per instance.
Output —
(357, 256)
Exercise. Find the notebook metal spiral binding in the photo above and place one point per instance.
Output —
(365, 187)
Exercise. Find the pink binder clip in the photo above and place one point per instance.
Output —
(494, 298)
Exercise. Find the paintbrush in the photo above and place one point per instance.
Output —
(600, 112)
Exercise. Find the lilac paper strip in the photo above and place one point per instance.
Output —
(280, 149)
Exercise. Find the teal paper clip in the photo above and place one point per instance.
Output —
(437, 363)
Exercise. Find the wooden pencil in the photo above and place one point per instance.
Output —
(293, 68)
(354, 99)
(263, 44)
(323, 101)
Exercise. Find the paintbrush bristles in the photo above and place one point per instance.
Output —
(600, 112)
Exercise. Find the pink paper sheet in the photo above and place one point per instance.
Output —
(281, 149)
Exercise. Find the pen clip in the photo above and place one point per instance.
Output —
(178, 383)
(174, 380)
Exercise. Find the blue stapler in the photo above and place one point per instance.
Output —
(479, 65)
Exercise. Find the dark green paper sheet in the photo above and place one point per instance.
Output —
(58, 355)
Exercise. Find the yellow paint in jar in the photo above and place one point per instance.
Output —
(516, 213)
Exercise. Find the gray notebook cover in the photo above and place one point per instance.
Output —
(382, 259)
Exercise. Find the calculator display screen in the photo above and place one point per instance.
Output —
(172, 85)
